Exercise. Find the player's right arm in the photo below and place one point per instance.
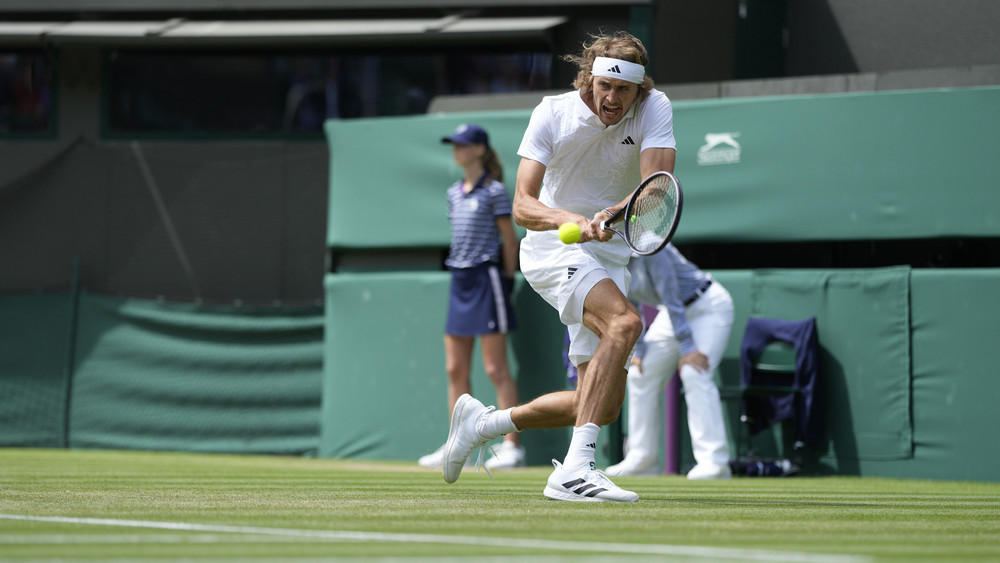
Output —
(534, 215)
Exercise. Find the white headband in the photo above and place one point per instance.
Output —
(617, 68)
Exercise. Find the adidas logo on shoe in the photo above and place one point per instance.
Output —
(586, 485)
(583, 488)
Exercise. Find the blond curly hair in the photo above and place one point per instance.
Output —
(616, 45)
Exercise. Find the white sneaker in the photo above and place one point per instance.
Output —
(584, 485)
(463, 437)
(508, 456)
(704, 472)
(634, 465)
(432, 459)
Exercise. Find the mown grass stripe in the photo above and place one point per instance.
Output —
(520, 543)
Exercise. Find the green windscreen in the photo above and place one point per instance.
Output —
(385, 386)
(161, 376)
(35, 334)
(391, 174)
(895, 165)
(863, 327)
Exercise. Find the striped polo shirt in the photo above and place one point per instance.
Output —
(475, 238)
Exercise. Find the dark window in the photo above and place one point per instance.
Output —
(287, 94)
(26, 103)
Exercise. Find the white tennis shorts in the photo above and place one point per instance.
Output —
(563, 275)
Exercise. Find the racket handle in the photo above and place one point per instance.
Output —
(604, 225)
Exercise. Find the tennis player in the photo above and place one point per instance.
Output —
(581, 156)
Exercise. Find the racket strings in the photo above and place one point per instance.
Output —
(651, 216)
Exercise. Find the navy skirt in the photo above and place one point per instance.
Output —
(480, 302)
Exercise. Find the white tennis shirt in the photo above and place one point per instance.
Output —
(590, 166)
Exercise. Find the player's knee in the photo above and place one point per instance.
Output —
(629, 326)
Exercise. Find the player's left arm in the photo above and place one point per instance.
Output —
(659, 148)
(654, 159)
(651, 160)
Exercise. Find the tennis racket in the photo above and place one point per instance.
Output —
(651, 214)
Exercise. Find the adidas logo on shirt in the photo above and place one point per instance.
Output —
(628, 141)
(570, 272)
(614, 69)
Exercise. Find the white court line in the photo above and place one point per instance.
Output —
(519, 543)
(137, 538)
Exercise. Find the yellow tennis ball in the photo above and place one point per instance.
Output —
(569, 232)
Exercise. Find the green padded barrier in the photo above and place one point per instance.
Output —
(141, 384)
(34, 343)
(384, 387)
(887, 165)
(863, 326)
(163, 376)
(953, 383)
(956, 382)
(392, 174)
(841, 167)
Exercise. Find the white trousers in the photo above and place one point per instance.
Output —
(711, 320)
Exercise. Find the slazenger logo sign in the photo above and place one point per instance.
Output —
(719, 148)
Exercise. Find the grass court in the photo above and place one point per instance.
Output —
(83, 505)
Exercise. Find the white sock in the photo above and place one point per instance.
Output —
(582, 447)
(495, 424)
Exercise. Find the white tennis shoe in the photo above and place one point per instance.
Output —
(508, 456)
(463, 437)
(432, 459)
(703, 472)
(634, 464)
(584, 485)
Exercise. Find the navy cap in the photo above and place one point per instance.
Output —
(468, 134)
